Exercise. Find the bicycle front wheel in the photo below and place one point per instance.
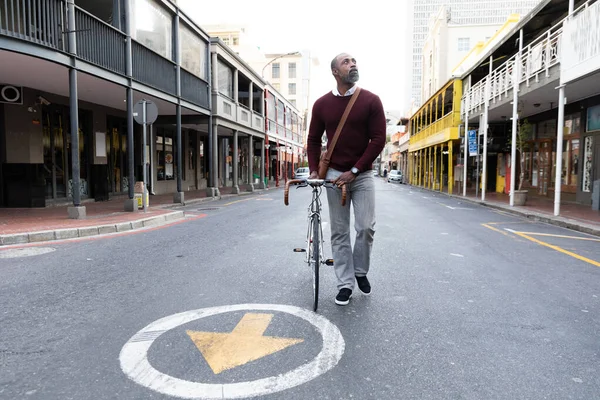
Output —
(315, 259)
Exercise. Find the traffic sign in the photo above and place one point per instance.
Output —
(151, 112)
(224, 351)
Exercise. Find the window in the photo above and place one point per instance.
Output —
(292, 70)
(293, 102)
(165, 156)
(275, 70)
(235, 40)
(276, 86)
(225, 79)
(464, 44)
(193, 52)
(152, 26)
(291, 88)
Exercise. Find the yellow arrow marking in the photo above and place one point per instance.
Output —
(223, 351)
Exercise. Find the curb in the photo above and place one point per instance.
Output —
(209, 199)
(71, 233)
(532, 215)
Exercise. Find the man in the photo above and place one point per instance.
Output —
(360, 142)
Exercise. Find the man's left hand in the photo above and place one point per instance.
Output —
(346, 177)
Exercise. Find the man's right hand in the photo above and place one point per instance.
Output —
(314, 175)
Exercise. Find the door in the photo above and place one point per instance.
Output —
(544, 167)
(596, 160)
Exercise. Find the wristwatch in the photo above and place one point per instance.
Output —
(355, 171)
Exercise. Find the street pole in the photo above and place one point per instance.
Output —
(465, 146)
(559, 148)
(515, 118)
(144, 133)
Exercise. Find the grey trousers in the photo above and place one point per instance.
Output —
(347, 262)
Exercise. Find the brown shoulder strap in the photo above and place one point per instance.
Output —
(342, 122)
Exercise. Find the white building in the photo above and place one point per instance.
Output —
(446, 45)
(466, 12)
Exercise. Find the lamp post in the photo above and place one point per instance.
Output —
(294, 53)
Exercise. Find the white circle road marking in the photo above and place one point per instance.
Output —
(135, 364)
(25, 252)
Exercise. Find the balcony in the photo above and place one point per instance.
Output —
(100, 43)
(536, 61)
(42, 22)
(441, 131)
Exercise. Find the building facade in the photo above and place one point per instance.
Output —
(463, 12)
(72, 75)
(446, 46)
(543, 94)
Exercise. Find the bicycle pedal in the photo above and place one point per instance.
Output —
(329, 262)
(299, 250)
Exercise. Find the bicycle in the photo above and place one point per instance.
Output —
(314, 235)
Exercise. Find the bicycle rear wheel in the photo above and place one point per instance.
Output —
(315, 259)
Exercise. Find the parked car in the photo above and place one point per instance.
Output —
(395, 176)
(302, 173)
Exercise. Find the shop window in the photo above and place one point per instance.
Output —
(165, 156)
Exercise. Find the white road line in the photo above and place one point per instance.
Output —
(457, 255)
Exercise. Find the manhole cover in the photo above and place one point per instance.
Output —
(25, 252)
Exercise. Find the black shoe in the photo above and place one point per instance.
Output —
(343, 297)
(363, 285)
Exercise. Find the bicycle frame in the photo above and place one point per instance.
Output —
(314, 213)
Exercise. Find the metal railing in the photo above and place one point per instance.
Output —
(39, 21)
(536, 59)
(100, 43)
(445, 122)
(194, 89)
(153, 69)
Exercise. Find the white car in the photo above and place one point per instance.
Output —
(395, 176)
(302, 173)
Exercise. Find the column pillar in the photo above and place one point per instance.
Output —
(250, 157)
(434, 165)
(130, 203)
(450, 168)
(236, 162)
(262, 184)
(76, 211)
(251, 99)
(236, 91)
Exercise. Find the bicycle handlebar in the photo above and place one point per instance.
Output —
(306, 182)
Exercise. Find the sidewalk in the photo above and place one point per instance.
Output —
(31, 225)
(574, 216)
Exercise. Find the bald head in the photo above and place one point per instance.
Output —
(336, 60)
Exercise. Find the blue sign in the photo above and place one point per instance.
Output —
(472, 143)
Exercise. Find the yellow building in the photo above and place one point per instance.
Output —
(434, 135)
(434, 146)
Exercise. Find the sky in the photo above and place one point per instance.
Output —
(377, 34)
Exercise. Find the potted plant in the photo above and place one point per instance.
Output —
(524, 132)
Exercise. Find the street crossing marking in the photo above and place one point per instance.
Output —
(136, 365)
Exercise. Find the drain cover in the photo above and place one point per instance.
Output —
(208, 209)
(25, 252)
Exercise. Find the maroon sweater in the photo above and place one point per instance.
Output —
(361, 140)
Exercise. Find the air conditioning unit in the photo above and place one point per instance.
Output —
(11, 94)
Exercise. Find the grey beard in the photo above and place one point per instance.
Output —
(351, 78)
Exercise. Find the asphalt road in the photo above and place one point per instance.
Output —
(467, 303)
